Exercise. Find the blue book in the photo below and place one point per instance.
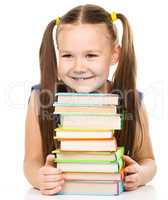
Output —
(87, 98)
(105, 188)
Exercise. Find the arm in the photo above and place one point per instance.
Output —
(40, 174)
(148, 170)
(33, 159)
(141, 166)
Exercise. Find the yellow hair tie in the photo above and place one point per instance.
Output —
(113, 16)
(57, 21)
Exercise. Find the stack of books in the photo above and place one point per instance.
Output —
(88, 154)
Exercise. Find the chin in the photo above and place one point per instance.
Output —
(83, 89)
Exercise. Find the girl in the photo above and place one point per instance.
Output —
(87, 44)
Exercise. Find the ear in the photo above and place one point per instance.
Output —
(115, 54)
(59, 78)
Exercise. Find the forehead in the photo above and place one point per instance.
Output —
(83, 35)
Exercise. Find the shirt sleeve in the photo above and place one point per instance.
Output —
(142, 148)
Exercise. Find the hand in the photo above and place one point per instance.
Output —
(50, 178)
(133, 174)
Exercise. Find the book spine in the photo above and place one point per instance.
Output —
(83, 130)
(91, 114)
(120, 164)
(82, 104)
(121, 187)
(83, 139)
(66, 160)
(119, 153)
(85, 94)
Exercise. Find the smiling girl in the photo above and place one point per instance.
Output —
(87, 43)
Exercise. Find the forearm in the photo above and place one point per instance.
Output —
(148, 170)
(31, 169)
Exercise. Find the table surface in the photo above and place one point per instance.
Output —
(23, 191)
(145, 192)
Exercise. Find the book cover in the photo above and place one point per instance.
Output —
(110, 167)
(81, 133)
(88, 98)
(94, 176)
(88, 145)
(59, 108)
(92, 121)
(92, 188)
(116, 155)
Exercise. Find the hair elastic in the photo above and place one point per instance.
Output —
(57, 21)
(113, 16)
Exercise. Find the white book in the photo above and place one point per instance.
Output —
(84, 134)
(91, 121)
(89, 167)
(89, 145)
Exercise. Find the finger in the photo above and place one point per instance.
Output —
(131, 169)
(130, 188)
(130, 184)
(51, 171)
(131, 178)
(53, 178)
(52, 185)
(50, 161)
(128, 160)
(52, 191)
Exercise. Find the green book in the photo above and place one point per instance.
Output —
(117, 156)
(99, 166)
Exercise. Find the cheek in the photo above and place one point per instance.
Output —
(63, 68)
(101, 69)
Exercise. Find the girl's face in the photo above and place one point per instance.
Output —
(85, 56)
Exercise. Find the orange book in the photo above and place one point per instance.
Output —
(94, 176)
(64, 109)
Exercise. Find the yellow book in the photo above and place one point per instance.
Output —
(83, 133)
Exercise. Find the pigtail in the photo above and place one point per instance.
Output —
(124, 78)
(48, 68)
(125, 81)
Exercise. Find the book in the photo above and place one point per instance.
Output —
(87, 98)
(63, 108)
(93, 176)
(81, 133)
(116, 155)
(92, 188)
(87, 152)
(91, 121)
(88, 145)
(95, 166)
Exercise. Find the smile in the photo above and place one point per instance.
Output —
(82, 78)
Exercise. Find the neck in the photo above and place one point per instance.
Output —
(105, 88)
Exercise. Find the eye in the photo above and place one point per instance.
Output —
(67, 55)
(91, 55)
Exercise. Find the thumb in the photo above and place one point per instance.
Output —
(50, 160)
(128, 160)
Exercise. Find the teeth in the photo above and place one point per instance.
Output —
(81, 78)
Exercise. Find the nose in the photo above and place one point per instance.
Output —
(79, 67)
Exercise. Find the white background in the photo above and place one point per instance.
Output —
(22, 24)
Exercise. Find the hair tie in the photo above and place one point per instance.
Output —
(57, 21)
(113, 16)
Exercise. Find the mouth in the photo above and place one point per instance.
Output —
(82, 78)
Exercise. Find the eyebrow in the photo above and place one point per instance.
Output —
(88, 51)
